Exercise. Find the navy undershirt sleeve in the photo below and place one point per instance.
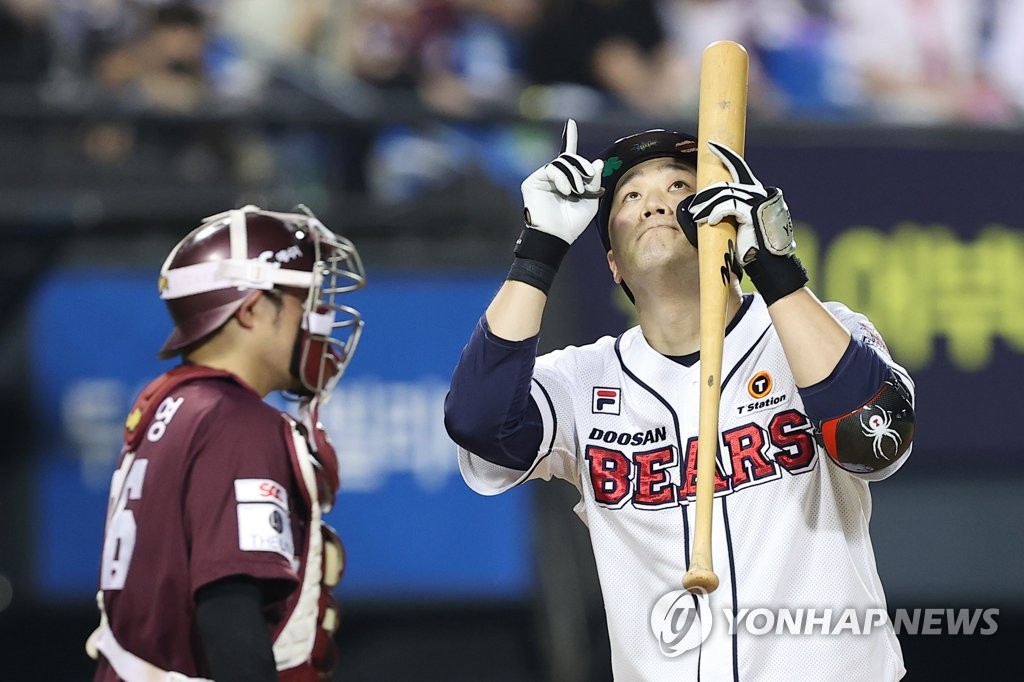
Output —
(855, 379)
(488, 409)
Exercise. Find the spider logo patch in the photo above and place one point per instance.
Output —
(876, 424)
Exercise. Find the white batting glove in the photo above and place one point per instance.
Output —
(761, 214)
(561, 197)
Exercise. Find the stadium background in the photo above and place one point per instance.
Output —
(122, 124)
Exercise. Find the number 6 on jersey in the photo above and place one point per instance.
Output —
(119, 543)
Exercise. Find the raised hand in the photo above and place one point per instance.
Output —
(561, 197)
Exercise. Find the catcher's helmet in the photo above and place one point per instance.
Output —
(210, 272)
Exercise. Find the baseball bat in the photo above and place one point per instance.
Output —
(722, 117)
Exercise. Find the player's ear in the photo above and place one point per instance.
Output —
(247, 312)
(613, 266)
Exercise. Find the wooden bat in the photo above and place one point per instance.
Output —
(722, 117)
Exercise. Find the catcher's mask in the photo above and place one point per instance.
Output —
(211, 272)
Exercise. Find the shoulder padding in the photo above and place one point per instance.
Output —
(150, 398)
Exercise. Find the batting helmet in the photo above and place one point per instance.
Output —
(209, 274)
(629, 151)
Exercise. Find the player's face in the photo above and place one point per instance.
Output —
(280, 336)
(642, 226)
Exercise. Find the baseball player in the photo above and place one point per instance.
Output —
(813, 408)
(216, 562)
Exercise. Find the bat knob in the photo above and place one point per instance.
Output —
(700, 579)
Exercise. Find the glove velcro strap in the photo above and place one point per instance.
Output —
(538, 255)
(776, 276)
(776, 224)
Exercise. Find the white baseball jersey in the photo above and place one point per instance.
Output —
(790, 527)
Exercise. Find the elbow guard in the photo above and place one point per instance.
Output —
(876, 434)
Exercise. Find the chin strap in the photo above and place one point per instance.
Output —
(322, 449)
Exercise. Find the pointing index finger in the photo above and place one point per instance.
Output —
(569, 136)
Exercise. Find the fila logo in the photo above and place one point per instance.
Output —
(606, 400)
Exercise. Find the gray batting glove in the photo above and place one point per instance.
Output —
(761, 214)
(561, 197)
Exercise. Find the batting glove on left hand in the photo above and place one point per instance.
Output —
(762, 217)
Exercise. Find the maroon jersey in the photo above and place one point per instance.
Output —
(208, 491)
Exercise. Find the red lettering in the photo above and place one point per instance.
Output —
(270, 490)
(653, 486)
(609, 475)
(788, 431)
(612, 473)
(688, 490)
(746, 450)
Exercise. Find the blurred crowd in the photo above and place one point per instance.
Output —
(906, 62)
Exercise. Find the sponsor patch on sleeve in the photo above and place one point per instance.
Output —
(264, 521)
(871, 337)
(261, 490)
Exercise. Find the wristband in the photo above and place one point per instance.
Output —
(533, 272)
(538, 255)
(776, 276)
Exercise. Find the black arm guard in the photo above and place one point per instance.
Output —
(876, 434)
(234, 633)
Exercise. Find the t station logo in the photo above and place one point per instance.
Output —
(760, 387)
